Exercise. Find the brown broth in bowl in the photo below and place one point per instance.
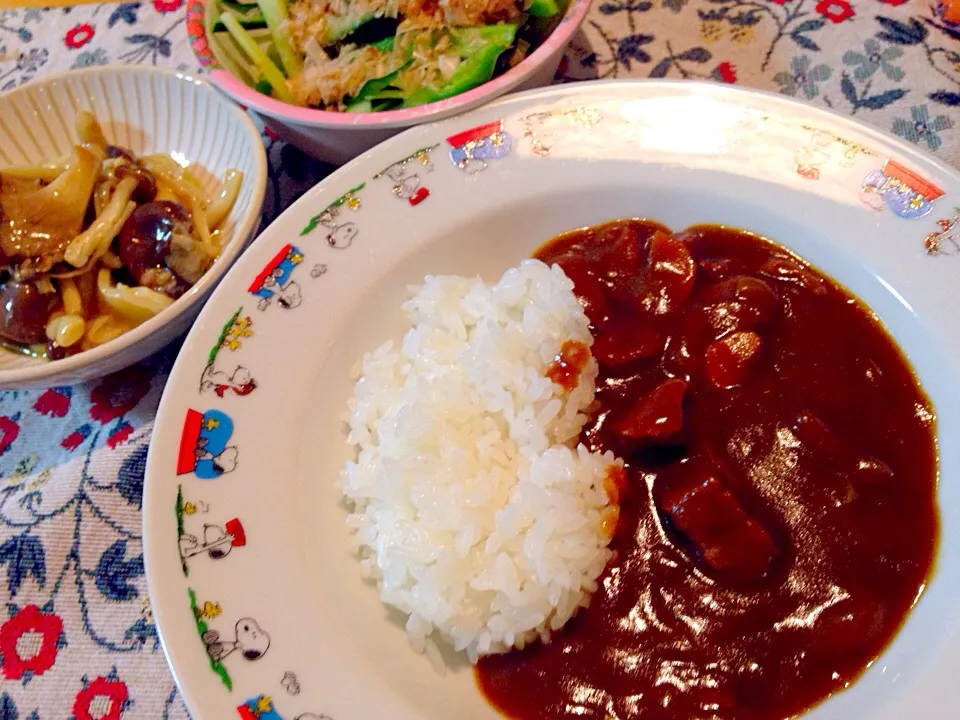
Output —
(779, 516)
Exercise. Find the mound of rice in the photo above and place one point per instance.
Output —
(472, 506)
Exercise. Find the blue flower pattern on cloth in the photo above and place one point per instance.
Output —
(91, 58)
(922, 128)
(803, 77)
(874, 58)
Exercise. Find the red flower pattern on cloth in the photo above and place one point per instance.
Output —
(52, 403)
(893, 2)
(167, 6)
(78, 36)
(836, 11)
(29, 619)
(118, 394)
(9, 431)
(119, 435)
(727, 72)
(73, 440)
(115, 694)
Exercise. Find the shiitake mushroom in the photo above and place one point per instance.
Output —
(146, 237)
(24, 312)
(146, 189)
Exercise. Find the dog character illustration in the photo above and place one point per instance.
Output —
(239, 382)
(232, 337)
(405, 175)
(217, 541)
(471, 149)
(405, 183)
(221, 462)
(288, 295)
(903, 191)
(945, 241)
(204, 448)
(813, 156)
(340, 235)
(250, 640)
(274, 281)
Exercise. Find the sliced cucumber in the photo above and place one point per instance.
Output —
(275, 14)
(338, 27)
(270, 72)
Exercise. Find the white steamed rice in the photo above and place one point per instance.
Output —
(472, 506)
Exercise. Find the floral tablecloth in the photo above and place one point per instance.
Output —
(77, 638)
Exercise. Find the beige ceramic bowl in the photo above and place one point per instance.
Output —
(147, 110)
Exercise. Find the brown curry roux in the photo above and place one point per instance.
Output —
(778, 516)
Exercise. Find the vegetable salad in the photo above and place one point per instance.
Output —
(373, 55)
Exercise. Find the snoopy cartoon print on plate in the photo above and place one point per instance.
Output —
(821, 150)
(247, 639)
(471, 149)
(204, 538)
(543, 129)
(946, 240)
(262, 707)
(340, 232)
(204, 445)
(226, 375)
(903, 191)
(405, 174)
(275, 281)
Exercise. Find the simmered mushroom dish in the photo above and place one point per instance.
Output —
(96, 243)
(778, 514)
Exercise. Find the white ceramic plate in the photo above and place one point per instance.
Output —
(146, 110)
(475, 194)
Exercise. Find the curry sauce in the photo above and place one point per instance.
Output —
(778, 517)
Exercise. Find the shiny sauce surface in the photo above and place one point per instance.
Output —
(778, 517)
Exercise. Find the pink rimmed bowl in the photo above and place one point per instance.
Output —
(338, 137)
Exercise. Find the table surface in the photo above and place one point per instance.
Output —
(80, 641)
